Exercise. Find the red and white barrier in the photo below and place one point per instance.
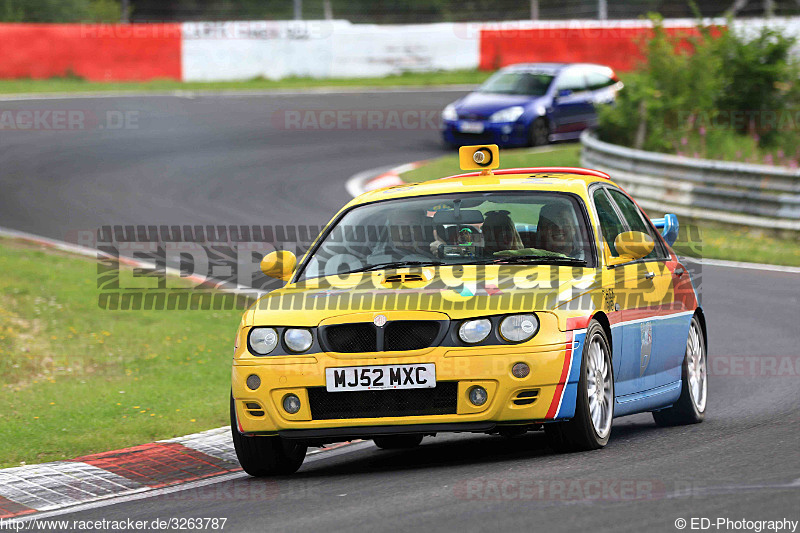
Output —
(220, 51)
(96, 52)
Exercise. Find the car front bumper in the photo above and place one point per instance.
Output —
(487, 366)
(502, 134)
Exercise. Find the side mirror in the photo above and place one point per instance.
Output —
(279, 264)
(669, 227)
(564, 92)
(631, 245)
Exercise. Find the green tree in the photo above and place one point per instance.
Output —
(60, 10)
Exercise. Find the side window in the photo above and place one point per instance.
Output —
(610, 224)
(598, 80)
(572, 80)
(635, 220)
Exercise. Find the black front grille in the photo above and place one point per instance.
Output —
(474, 138)
(396, 336)
(351, 338)
(440, 400)
(473, 116)
(410, 334)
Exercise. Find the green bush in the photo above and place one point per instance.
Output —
(714, 94)
(60, 10)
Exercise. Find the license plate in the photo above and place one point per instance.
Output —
(354, 378)
(466, 126)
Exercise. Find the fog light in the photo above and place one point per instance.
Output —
(478, 396)
(291, 404)
(520, 370)
(253, 382)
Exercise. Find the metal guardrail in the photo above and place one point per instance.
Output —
(749, 195)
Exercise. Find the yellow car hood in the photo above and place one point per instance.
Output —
(458, 292)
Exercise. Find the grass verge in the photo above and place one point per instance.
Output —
(78, 379)
(72, 85)
(711, 240)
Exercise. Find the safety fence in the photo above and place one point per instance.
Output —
(751, 195)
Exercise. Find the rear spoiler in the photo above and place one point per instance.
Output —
(669, 227)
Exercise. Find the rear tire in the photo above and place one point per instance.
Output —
(590, 428)
(691, 406)
(539, 134)
(266, 456)
(397, 442)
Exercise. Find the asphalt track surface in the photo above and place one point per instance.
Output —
(222, 160)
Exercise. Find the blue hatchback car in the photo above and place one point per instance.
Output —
(530, 105)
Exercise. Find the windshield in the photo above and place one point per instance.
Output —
(467, 228)
(524, 83)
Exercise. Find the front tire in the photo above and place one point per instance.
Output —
(539, 134)
(265, 456)
(691, 405)
(590, 428)
(397, 442)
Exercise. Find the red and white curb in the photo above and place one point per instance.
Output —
(378, 178)
(113, 476)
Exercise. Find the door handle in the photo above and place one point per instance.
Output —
(650, 275)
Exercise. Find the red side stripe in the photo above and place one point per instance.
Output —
(578, 322)
(159, 464)
(551, 413)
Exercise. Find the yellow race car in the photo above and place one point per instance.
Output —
(494, 301)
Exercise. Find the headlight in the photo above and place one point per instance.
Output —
(263, 340)
(509, 114)
(474, 331)
(519, 328)
(297, 340)
(450, 113)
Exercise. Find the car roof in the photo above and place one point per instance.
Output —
(549, 67)
(555, 179)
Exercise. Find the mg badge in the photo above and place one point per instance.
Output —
(379, 321)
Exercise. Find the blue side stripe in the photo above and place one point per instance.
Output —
(567, 409)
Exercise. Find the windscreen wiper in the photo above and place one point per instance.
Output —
(523, 259)
(396, 264)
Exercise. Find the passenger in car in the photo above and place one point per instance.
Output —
(557, 231)
(499, 233)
